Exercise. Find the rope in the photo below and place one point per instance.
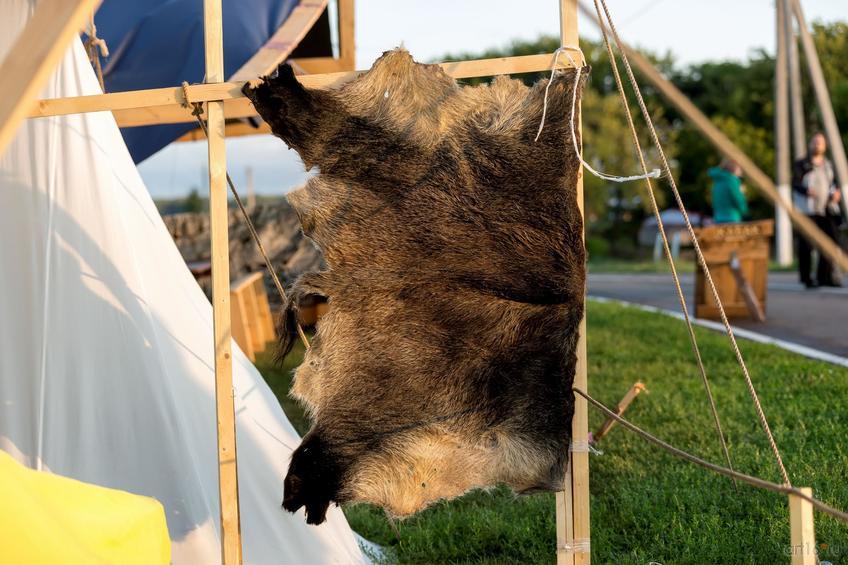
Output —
(753, 481)
(579, 69)
(96, 48)
(680, 295)
(647, 116)
(197, 112)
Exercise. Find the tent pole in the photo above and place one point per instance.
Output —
(34, 55)
(831, 128)
(796, 96)
(782, 225)
(573, 527)
(218, 216)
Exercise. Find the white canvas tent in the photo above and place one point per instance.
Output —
(106, 357)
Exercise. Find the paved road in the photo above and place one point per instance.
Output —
(815, 318)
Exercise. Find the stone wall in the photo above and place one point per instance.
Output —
(278, 228)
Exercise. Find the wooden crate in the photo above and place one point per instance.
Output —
(252, 322)
(750, 242)
(310, 312)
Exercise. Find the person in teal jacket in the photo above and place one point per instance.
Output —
(729, 204)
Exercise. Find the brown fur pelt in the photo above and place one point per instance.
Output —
(456, 279)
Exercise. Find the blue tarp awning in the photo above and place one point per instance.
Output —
(159, 43)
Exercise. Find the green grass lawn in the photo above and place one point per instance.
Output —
(647, 505)
(637, 266)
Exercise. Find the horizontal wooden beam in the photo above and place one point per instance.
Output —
(149, 98)
(234, 129)
(164, 105)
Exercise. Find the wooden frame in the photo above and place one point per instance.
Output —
(347, 46)
(225, 100)
(35, 54)
(231, 551)
(39, 49)
(278, 48)
(572, 503)
(165, 105)
(573, 521)
(233, 129)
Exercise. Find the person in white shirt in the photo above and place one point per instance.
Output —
(817, 195)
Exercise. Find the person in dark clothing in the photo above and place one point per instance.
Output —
(816, 194)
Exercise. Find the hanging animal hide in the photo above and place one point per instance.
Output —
(456, 279)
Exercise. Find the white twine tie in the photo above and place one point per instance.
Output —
(580, 545)
(583, 447)
(656, 173)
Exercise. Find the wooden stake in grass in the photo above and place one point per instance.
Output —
(622, 406)
(803, 534)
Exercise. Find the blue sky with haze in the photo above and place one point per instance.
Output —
(693, 30)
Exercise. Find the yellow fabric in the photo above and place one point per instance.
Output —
(46, 518)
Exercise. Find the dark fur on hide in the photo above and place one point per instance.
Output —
(456, 278)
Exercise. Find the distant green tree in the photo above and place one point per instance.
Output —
(193, 202)
(832, 47)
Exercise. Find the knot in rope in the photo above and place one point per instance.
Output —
(96, 48)
(95, 41)
(197, 110)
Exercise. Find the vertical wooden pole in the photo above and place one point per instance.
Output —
(575, 498)
(831, 128)
(782, 225)
(347, 41)
(218, 217)
(803, 533)
(796, 97)
(251, 191)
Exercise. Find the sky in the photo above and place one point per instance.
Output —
(692, 30)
